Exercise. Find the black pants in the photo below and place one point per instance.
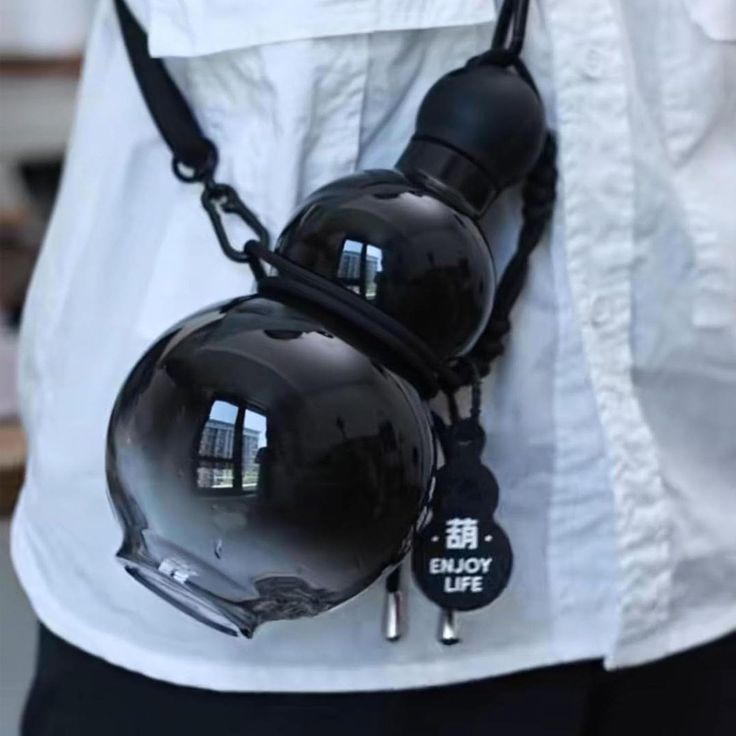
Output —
(691, 694)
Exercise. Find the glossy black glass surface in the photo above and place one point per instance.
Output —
(410, 254)
(263, 469)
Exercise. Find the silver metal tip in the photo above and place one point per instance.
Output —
(392, 616)
(448, 634)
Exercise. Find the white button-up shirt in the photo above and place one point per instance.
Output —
(611, 417)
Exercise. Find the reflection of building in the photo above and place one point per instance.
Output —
(349, 270)
(217, 439)
(216, 461)
(250, 449)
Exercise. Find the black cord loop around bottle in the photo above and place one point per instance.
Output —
(322, 297)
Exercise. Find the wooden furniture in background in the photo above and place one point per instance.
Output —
(12, 464)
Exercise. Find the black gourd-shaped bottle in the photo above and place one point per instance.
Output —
(263, 465)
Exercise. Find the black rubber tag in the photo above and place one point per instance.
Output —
(461, 557)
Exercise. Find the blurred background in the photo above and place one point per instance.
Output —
(41, 43)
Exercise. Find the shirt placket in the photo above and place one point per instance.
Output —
(596, 161)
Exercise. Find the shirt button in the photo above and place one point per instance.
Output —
(593, 63)
(601, 311)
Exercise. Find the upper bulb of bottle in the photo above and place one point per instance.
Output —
(407, 240)
(479, 130)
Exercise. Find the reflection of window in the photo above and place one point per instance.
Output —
(227, 453)
(359, 265)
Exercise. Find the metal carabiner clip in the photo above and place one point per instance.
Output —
(222, 198)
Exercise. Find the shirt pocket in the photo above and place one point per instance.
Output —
(716, 18)
(697, 64)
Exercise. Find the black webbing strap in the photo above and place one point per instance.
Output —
(168, 108)
(194, 155)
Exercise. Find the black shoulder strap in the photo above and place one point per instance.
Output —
(194, 155)
(170, 111)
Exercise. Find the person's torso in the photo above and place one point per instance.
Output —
(609, 417)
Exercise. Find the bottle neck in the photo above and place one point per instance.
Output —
(449, 176)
